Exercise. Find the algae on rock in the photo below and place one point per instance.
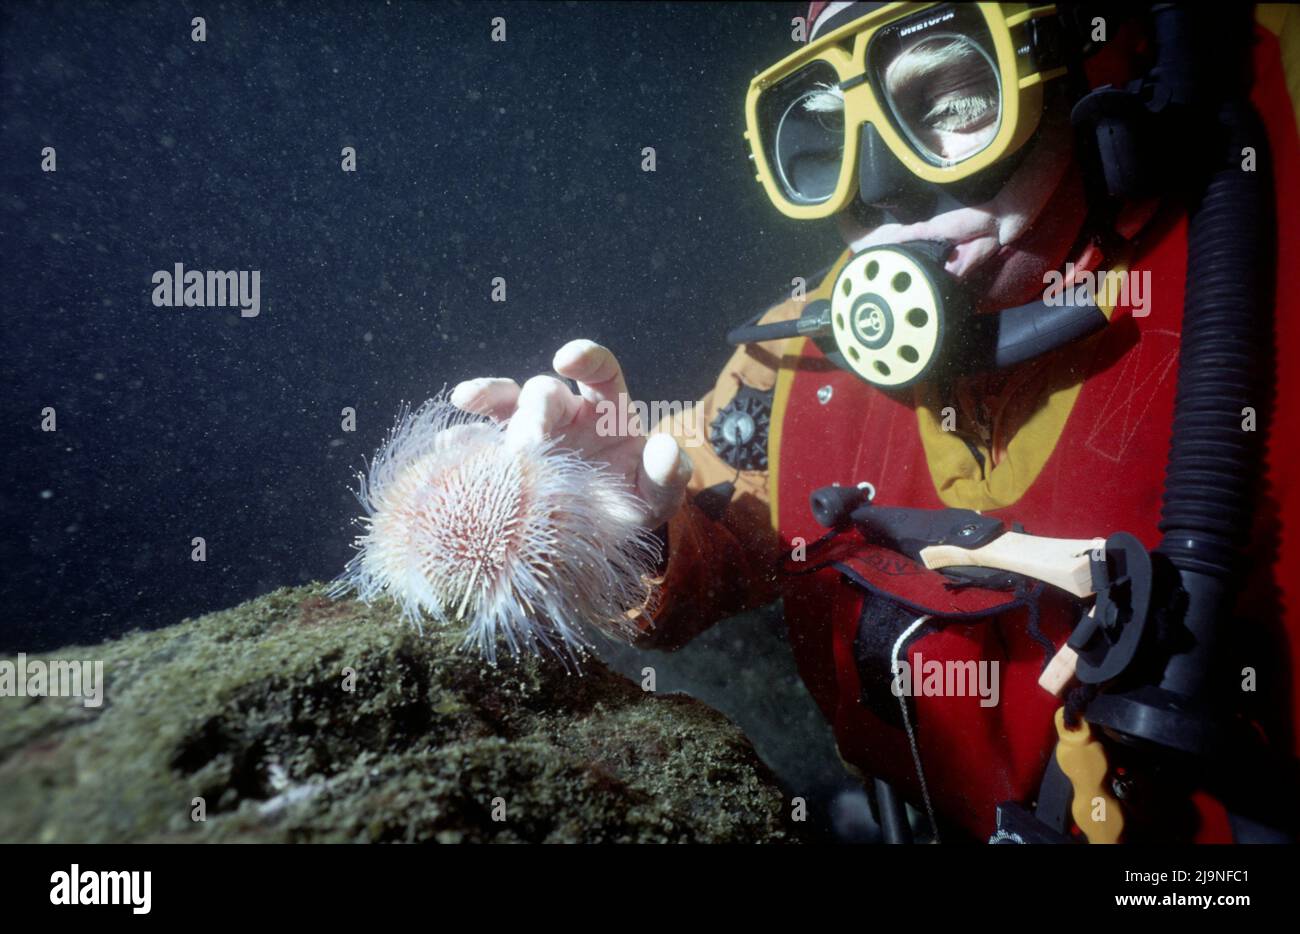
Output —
(297, 718)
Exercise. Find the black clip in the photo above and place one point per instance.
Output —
(1108, 639)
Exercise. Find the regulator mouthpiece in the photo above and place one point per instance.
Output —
(889, 309)
(896, 317)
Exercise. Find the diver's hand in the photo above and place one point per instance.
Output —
(656, 468)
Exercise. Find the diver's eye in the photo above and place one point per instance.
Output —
(956, 99)
(831, 121)
(962, 110)
(945, 94)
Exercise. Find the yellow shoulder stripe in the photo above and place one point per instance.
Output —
(958, 478)
(1283, 20)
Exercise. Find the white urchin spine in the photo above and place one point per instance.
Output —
(530, 544)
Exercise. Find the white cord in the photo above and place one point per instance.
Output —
(907, 722)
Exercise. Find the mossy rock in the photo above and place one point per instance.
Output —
(249, 709)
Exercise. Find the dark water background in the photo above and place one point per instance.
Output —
(475, 159)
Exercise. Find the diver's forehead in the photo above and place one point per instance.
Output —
(824, 17)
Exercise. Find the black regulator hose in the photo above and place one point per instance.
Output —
(1215, 453)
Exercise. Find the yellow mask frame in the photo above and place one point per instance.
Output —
(1008, 27)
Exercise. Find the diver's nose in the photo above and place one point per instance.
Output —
(888, 192)
(885, 184)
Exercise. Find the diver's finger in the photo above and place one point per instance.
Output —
(595, 369)
(661, 482)
(490, 396)
(546, 407)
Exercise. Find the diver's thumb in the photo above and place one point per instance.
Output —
(665, 471)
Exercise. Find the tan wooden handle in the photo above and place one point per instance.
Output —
(1061, 562)
(1059, 672)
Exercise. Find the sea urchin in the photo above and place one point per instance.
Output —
(523, 541)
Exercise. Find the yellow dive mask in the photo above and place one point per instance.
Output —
(942, 89)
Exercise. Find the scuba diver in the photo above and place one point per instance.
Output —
(1033, 423)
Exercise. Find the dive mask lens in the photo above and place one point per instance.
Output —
(937, 77)
(801, 121)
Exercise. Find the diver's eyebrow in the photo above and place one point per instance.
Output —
(917, 63)
(827, 99)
